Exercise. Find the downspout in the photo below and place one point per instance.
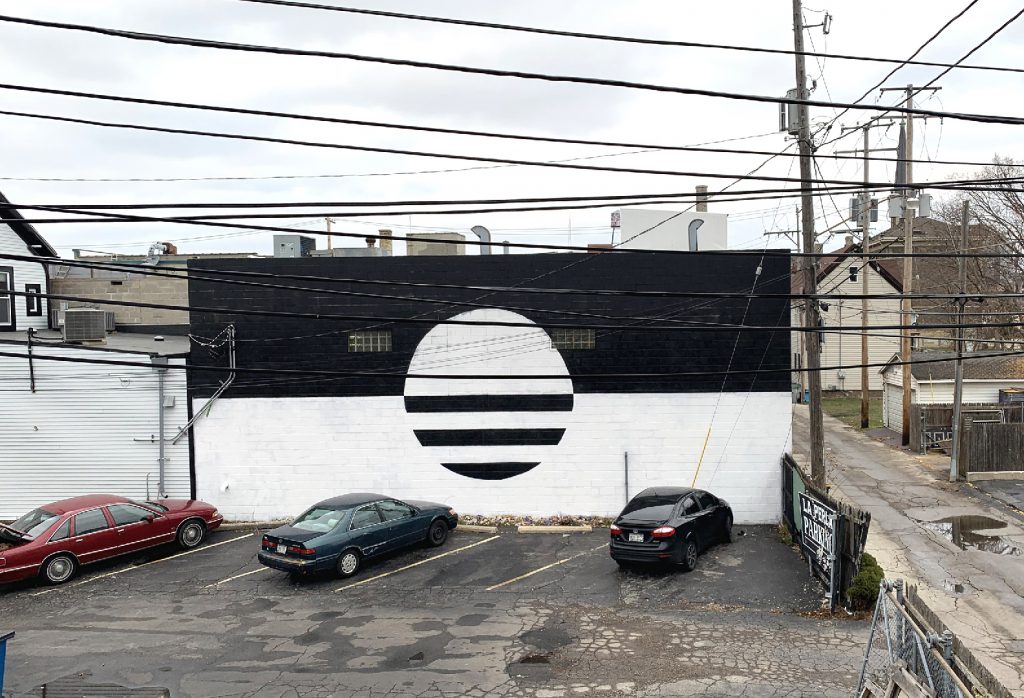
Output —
(160, 363)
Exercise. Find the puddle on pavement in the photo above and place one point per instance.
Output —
(79, 687)
(973, 533)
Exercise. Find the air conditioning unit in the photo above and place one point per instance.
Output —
(110, 321)
(84, 325)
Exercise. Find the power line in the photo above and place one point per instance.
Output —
(459, 376)
(279, 50)
(438, 129)
(613, 38)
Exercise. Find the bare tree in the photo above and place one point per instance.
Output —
(997, 215)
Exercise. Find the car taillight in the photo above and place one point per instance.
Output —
(299, 550)
(614, 530)
(267, 543)
(663, 532)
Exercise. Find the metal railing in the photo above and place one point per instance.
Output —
(899, 644)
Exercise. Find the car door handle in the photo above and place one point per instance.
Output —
(120, 530)
(80, 540)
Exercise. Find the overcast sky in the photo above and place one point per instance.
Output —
(63, 59)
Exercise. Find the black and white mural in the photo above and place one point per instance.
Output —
(473, 425)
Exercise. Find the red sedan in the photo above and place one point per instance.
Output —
(54, 540)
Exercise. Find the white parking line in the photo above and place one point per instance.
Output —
(237, 576)
(145, 564)
(545, 567)
(416, 564)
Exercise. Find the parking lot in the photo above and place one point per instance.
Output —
(485, 615)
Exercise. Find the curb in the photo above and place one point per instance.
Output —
(249, 525)
(472, 528)
(554, 529)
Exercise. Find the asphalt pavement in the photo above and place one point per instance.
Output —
(484, 615)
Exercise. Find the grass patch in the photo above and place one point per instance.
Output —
(847, 410)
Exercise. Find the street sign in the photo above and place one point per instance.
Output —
(819, 540)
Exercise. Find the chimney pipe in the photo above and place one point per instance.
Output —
(370, 242)
(702, 198)
(385, 245)
(485, 237)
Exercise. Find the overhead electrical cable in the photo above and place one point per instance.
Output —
(447, 131)
(603, 82)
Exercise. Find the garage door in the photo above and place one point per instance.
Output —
(892, 406)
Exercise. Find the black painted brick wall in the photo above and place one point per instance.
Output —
(273, 342)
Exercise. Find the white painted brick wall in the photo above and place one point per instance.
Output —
(270, 458)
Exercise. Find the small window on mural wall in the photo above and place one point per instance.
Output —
(563, 339)
(369, 341)
(33, 304)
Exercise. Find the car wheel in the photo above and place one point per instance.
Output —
(689, 560)
(437, 534)
(730, 536)
(623, 564)
(191, 534)
(59, 569)
(348, 563)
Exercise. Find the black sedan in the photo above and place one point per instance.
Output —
(340, 533)
(670, 524)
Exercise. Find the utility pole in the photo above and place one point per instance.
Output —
(330, 244)
(810, 266)
(865, 228)
(958, 386)
(908, 248)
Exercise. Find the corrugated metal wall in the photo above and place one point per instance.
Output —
(77, 433)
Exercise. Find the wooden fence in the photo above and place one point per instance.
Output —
(853, 523)
(991, 448)
(931, 426)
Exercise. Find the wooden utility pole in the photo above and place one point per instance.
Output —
(330, 244)
(865, 229)
(958, 385)
(810, 267)
(908, 248)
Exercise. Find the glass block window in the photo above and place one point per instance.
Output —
(369, 341)
(572, 339)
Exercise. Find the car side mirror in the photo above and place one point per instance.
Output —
(150, 518)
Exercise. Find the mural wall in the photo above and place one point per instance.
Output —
(476, 428)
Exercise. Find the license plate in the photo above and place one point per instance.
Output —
(282, 549)
(636, 538)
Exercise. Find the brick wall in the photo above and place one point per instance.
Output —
(147, 289)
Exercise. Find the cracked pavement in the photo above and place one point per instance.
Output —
(978, 594)
(740, 625)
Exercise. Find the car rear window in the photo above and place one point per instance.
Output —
(319, 519)
(653, 507)
(35, 522)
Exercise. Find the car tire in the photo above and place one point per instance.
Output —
(348, 563)
(730, 535)
(688, 560)
(437, 534)
(59, 569)
(623, 565)
(191, 534)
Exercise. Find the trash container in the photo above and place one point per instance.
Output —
(807, 396)
(4, 637)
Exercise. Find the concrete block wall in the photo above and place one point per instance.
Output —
(146, 289)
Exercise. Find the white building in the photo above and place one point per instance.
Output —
(844, 349)
(19, 238)
(656, 229)
(932, 383)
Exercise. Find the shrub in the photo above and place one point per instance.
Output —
(863, 591)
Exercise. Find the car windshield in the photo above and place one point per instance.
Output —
(652, 508)
(32, 524)
(320, 519)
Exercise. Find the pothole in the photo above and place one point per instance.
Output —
(973, 533)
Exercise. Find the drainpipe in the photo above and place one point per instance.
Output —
(485, 237)
(159, 363)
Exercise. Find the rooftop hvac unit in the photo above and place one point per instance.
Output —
(110, 320)
(84, 325)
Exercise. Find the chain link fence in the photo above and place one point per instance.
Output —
(905, 659)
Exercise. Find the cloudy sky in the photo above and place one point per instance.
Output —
(56, 58)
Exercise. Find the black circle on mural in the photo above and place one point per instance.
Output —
(481, 427)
